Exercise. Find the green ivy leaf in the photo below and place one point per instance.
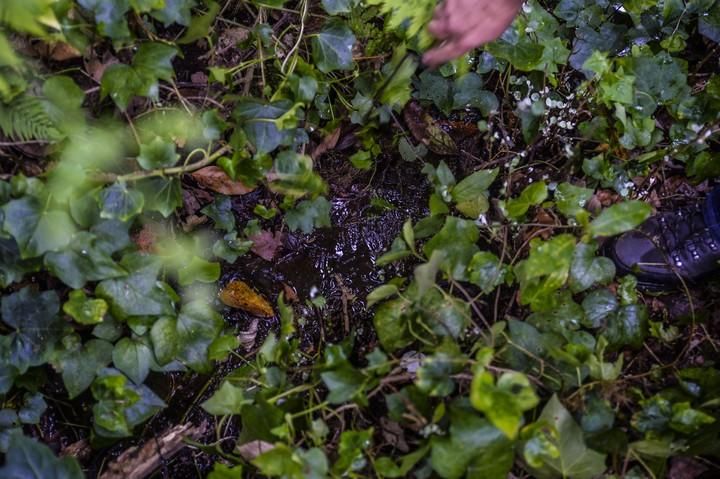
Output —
(456, 240)
(175, 11)
(332, 47)
(29, 459)
(474, 448)
(110, 17)
(33, 319)
(138, 293)
(165, 340)
(391, 327)
(36, 229)
(571, 199)
(598, 306)
(163, 195)
(619, 218)
(336, 7)
(80, 367)
(201, 25)
(503, 403)
(119, 202)
(587, 269)
(84, 310)
(486, 271)
(197, 326)
(533, 195)
(628, 327)
(133, 358)
(309, 214)
(226, 401)
(257, 118)
(157, 154)
(575, 460)
(33, 408)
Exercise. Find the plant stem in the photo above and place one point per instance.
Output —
(176, 170)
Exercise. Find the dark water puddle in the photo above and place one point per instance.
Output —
(338, 263)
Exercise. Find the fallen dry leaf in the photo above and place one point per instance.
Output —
(216, 179)
(251, 450)
(145, 238)
(266, 244)
(328, 143)
(237, 294)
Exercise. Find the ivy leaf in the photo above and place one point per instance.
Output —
(29, 459)
(226, 401)
(470, 195)
(523, 53)
(157, 154)
(198, 269)
(598, 306)
(197, 326)
(486, 271)
(628, 327)
(620, 218)
(456, 240)
(121, 82)
(119, 202)
(165, 339)
(335, 7)
(35, 229)
(84, 310)
(571, 199)
(309, 214)
(391, 327)
(175, 11)
(35, 327)
(80, 367)
(110, 17)
(163, 195)
(533, 195)
(133, 358)
(138, 293)
(469, 94)
(588, 269)
(575, 459)
(474, 448)
(503, 403)
(221, 212)
(258, 123)
(332, 47)
(33, 408)
(201, 26)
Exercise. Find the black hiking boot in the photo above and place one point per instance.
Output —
(667, 250)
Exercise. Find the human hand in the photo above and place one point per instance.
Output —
(462, 25)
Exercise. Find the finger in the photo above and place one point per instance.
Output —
(439, 28)
(444, 53)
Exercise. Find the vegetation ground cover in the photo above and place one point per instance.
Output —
(260, 239)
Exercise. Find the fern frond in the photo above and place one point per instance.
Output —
(25, 118)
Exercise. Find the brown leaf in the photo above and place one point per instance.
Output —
(145, 238)
(328, 143)
(266, 244)
(96, 66)
(61, 52)
(237, 294)
(214, 178)
(251, 450)
(291, 295)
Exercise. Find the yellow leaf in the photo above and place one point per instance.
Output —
(237, 294)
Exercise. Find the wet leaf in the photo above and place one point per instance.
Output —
(571, 199)
(37, 230)
(165, 339)
(227, 400)
(157, 154)
(332, 47)
(620, 218)
(85, 310)
(215, 179)
(335, 7)
(198, 269)
(133, 358)
(266, 244)
(35, 325)
(628, 327)
(587, 269)
(503, 403)
(308, 215)
(80, 367)
(486, 271)
(29, 459)
(456, 240)
(533, 195)
(238, 294)
(118, 202)
(598, 306)
(575, 460)
(221, 212)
